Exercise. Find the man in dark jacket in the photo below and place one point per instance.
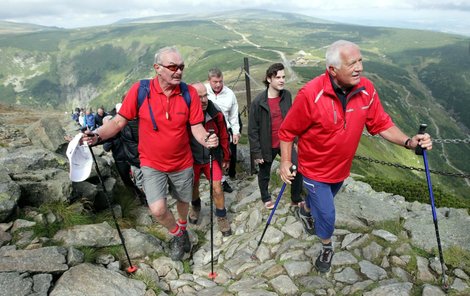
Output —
(126, 157)
(213, 120)
(266, 115)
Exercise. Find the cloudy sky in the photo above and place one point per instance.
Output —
(440, 15)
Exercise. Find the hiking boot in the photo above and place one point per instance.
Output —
(194, 212)
(323, 262)
(306, 219)
(227, 188)
(177, 248)
(224, 226)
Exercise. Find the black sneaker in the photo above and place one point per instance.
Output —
(323, 262)
(177, 247)
(227, 187)
(306, 219)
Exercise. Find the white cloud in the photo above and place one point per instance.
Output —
(69, 14)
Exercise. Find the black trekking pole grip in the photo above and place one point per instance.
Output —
(422, 128)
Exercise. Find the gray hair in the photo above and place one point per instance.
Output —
(158, 55)
(333, 53)
(214, 72)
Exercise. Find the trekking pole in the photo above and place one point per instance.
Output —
(253, 255)
(420, 151)
(212, 274)
(131, 268)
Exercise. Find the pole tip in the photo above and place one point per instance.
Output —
(131, 269)
(212, 275)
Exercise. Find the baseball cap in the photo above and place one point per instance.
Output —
(80, 159)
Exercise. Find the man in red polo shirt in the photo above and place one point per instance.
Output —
(165, 153)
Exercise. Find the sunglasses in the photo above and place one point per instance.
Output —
(173, 68)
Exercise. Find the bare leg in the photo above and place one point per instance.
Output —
(163, 215)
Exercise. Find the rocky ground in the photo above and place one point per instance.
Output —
(383, 244)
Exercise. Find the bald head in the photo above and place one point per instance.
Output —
(202, 92)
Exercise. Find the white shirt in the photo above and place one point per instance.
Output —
(227, 102)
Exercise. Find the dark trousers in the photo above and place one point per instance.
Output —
(233, 160)
(264, 175)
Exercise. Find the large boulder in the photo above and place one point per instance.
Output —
(10, 193)
(46, 133)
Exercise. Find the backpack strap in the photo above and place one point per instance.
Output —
(144, 93)
(185, 91)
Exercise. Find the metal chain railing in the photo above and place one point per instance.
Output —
(397, 165)
(443, 141)
(238, 78)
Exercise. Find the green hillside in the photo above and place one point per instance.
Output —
(421, 76)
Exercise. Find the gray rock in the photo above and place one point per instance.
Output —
(141, 244)
(454, 230)
(349, 238)
(314, 283)
(10, 193)
(402, 274)
(390, 237)
(423, 271)
(283, 285)
(42, 283)
(45, 260)
(94, 235)
(74, 256)
(92, 280)
(372, 271)
(372, 252)
(459, 285)
(347, 276)
(14, 283)
(461, 274)
(21, 223)
(398, 289)
(298, 268)
(430, 290)
(359, 286)
(5, 238)
(343, 258)
(46, 133)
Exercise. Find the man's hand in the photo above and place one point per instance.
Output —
(424, 140)
(258, 161)
(235, 139)
(225, 165)
(212, 141)
(285, 172)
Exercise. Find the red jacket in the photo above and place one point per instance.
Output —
(328, 136)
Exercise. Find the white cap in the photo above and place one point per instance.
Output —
(80, 159)
(118, 107)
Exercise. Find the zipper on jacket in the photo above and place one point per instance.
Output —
(350, 95)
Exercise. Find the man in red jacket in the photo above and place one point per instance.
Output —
(213, 120)
(328, 117)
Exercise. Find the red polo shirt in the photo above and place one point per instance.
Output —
(166, 149)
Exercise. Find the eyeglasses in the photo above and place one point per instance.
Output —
(173, 68)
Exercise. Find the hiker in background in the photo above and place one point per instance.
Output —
(213, 119)
(328, 116)
(165, 155)
(90, 119)
(225, 99)
(81, 119)
(267, 112)
(76, 115)
(100, 114)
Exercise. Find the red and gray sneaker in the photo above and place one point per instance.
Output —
(323, 262)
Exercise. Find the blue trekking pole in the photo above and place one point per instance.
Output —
(253, 256)
(420, 151)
